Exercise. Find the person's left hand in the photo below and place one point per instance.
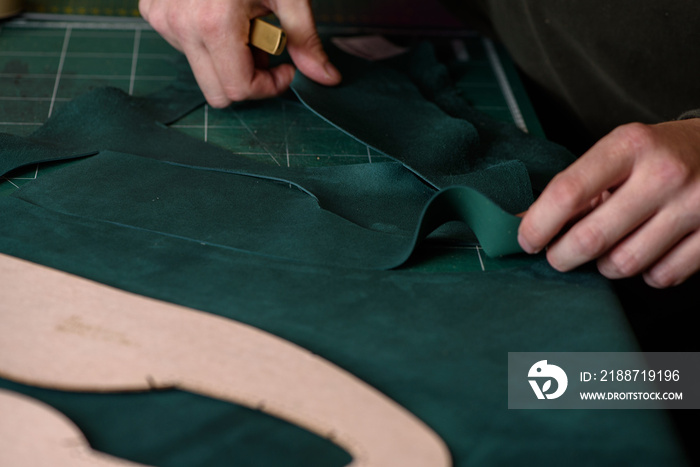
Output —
(214, 35)
(632, 202)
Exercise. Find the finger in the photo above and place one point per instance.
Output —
(157, 16)
(303, 43)
(596, 233)
(260, 59)
(587, 209)
(645, 246)
(234, 65)
(282, 74)
(603, 167)
(241, 79)
(144, 8)
(678, 265)
(206, 76)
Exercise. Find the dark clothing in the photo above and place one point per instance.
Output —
(605, 62)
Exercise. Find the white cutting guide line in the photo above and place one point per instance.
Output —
(255, 137)
(10, 182)
(503, 82)
(38, 21)
(477, 248)
(134, 60)
(481, 260)
(66, 40)
(36, 174)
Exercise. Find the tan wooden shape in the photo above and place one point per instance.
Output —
(34, 434)
(65, 332)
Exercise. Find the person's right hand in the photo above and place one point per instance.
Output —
(213, 34)
(631, 202)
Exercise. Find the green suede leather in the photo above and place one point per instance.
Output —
(172, 427)
(408, 109)
(436, 342)
(363, 194)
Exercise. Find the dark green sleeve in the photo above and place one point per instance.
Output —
(695, 113)
(603, 63)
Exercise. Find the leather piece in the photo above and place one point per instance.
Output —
(408, 108)
(96, 122)
(412, 335)
(436, 343)
(258, 216)
(173, 428)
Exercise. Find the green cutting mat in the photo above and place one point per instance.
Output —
(44, 64)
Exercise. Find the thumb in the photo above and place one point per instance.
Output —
(303, 43)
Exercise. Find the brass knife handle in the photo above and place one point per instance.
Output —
(267, 37)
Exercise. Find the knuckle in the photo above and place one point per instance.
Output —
(530, 231)
(634, 136)
(558, 261)
(211, 22)
(144, 9)
(158, 19)
(669, 172)
(169, 21)
(312, 41)
(568, 191)
(622, 262)
(306, 40)
(588, 241)
(689, 208)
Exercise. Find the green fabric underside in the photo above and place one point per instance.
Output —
(311, 255)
